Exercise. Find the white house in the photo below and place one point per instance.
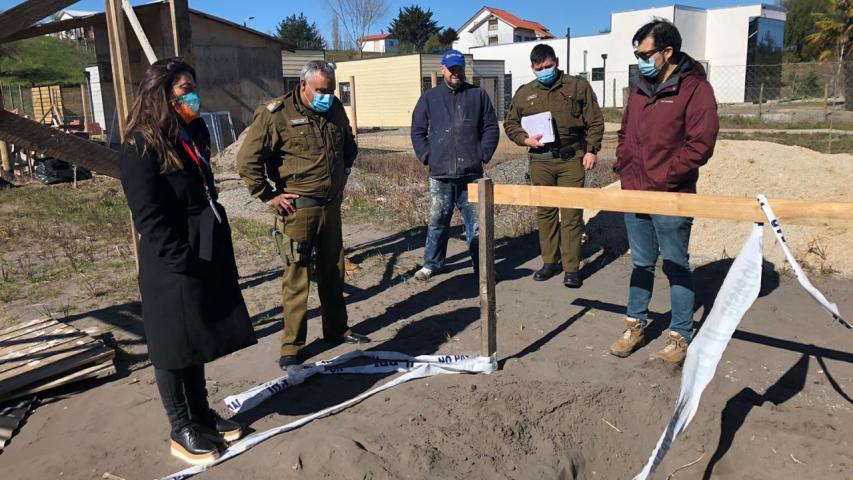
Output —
(80, 33)
(492, 26)
(381, 43)
(728, 41)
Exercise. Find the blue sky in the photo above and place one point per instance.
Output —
(580, 16)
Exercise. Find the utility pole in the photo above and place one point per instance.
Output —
(568, 50)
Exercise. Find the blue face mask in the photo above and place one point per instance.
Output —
(648, 68)
(322, 102)
(546, 76)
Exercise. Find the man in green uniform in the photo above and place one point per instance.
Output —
(578, 128)
(296, 158)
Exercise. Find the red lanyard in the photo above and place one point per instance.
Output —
(197, 159)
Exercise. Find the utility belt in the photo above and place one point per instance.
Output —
(307, 202)
(547, 152)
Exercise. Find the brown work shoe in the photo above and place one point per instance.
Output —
(632, 339)
(674, 351)
(350, 266)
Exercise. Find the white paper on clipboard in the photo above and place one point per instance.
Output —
(539, 123)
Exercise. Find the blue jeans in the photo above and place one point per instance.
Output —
(648, 235)
(444, 194)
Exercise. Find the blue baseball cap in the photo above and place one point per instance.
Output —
(453, 58)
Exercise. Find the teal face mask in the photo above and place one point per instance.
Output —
(322, 102)
(546, 76)
(648, 68)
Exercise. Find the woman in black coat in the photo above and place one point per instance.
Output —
(192, 307)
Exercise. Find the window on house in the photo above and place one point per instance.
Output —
(493, 24)
(346, 94)
(493, 40)
(518, 38)
(426, 83)
(597, 74)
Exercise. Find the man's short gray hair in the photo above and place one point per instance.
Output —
(313, 67)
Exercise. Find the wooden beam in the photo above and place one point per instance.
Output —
(140, 33)
(488, 311)
(47, 28)
(122, 82)
(745, 209)
(5, 161)
(182, 35)
(27, 13)
(354, 119)
(34, 136)
(84, 98)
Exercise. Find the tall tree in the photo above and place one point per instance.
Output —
(357, 17)
(448, 36)
(414, 26)
(799, 24)
(336, 34)
(296, 30)
(834, 40)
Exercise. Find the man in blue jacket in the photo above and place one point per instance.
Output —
(454, 132)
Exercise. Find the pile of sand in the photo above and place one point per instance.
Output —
(747, 168)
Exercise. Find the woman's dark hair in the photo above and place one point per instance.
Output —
(542, 52)
(663, 32)
(153, 114)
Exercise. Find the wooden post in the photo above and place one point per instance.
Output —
(5, 162)
(21, 97)
(488, 312)
(760, 99)
(122, 84)
(85, 107)
(181, 31)
(433, 79)
(354, 119)
(826, 102)
(140, 33)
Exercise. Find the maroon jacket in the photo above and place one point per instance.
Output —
(668, 131)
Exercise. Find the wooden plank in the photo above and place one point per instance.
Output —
(23, 361)
(121, 67)
(55, 143)
(33, 338)
(99, 370)
(488, 310)
(27, 13)
(48, 28)
(21, 326)
(68, 363)
(182, 35)
(746, 209)
(140, 33)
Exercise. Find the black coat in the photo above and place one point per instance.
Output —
(455, 131)
(192, 307)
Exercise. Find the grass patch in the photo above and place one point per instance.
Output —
(44, 60)
(818, 142)
(244, 228)
(612, 115)
(740, 121)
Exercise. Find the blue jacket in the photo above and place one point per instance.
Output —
(455, 131)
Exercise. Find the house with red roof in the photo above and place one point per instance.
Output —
(380, 42)
(493, 26)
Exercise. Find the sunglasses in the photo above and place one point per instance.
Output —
(645, 56)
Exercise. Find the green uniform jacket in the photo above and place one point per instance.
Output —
(297, 150)
(579, 123)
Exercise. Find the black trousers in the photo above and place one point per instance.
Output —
(184, 395)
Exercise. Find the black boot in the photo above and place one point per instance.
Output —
(218, 429)
(572, 280)
(547, 271)
(189, 445)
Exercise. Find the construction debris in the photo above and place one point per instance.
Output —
(11, 417)
(45, 354)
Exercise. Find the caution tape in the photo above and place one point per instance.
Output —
(382, 362)
(737, 294)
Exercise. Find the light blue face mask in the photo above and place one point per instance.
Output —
(322, 102)
(546, 76)
(648, 68)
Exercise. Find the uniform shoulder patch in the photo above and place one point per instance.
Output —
(274, 105)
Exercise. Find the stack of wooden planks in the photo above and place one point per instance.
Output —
(45, 354)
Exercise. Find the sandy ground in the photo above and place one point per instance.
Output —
(779, 406)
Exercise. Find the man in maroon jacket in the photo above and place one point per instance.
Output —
(669, 128)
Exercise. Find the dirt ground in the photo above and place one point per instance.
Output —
(780, 405)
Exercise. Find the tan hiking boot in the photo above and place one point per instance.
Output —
(674, 351)
(632, 339)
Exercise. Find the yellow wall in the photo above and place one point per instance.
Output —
(386, 89)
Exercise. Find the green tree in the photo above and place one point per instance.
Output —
(799, 24)
(296, 30)
(414, 25)
(834, 40)
(448, 36)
